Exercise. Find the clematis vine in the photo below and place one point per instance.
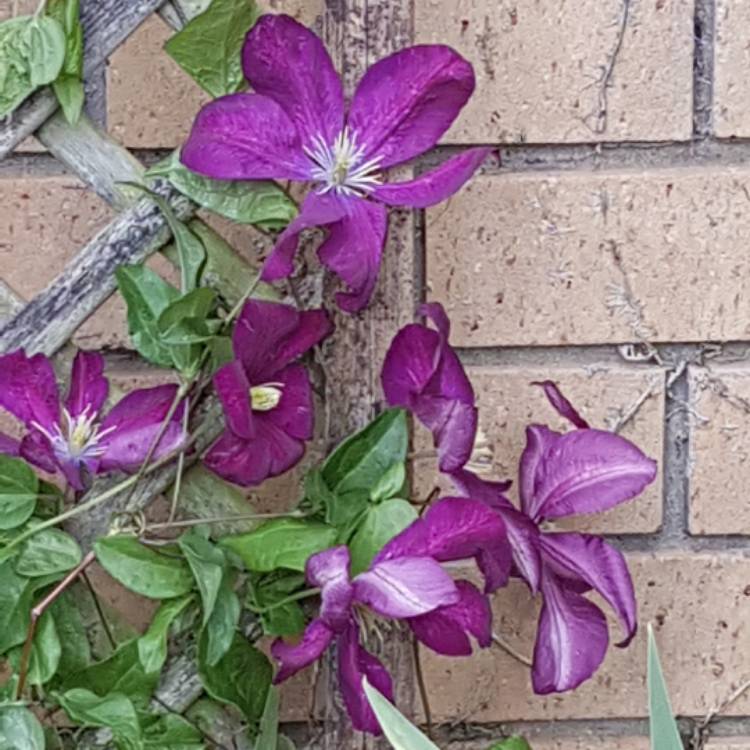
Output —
(267, 398)
(71, 437)
(585, 470)
(297, 126)
(404, 582)
(422, 373)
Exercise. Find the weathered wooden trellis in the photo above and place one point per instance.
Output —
(357, 32)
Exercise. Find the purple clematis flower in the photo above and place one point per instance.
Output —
(423, 374)
(267, 399)
(582, 471)
(70, 437)
(296, 126)
(404, 582)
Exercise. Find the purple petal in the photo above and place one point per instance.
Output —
(250, 462)
(353, 250)
(88, 386)
(234, 393)
(294, 413)
(495, 563)
(571, 641)
(245, 137)
(405, 102)
(317, 211)
(446, 630)
(436, 185)
(270, 335)
(9, 446)
(410, 363)
(354, 663)
(524, 539)
(584, 471)
(286, 62)
(36, 449)
(454, 427)
(561, 404)
(28, 389)
(539, 440)
(603, 568)
(134, 423)
(293, 658)
(490, 493)
(329, 571)
(405, 587)
(436, 314)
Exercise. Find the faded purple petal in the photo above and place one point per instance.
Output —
(446, 630)
(293, 658)
(9, 446)
(233, 390)
(436, 185)
(585, 471)
(270, 335)
(571, 641)
(435, 312)
(245, 137)
(286, 62)
(28, 389)
(590, 559)
(353, 250)
(354, 663)
(250, 462)
(133, 424)
(36, 449)
(294, 412)
(317, 211)
(405, 587)
(405, 102)
(561, 404)
(88, 386)
(329, 571)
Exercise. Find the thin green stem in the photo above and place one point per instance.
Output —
(235, 311)
(220, 519)
(306, 594)
(180, 468)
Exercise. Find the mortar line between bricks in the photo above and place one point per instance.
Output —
(704, 25)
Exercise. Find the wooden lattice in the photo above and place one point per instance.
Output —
(357, 32)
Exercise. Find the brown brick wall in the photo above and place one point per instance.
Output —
(620, 213)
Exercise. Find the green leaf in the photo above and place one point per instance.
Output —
(152, 645)
(281, 543)
(268, 733)
(172, 732)
(147, 295)
(71, 95)
(241, 678)
(512, 743)
(664, 732)
(46, 39)
(221, 627)
(18, 490)
(15, 73)
(180, 322)
(381, 523)
(76, 651)
(258, 202)
(399, 731)
(208, 48)
(122, 672)
(114, 711)
(68, 86)
(45, 652)
(48, 551)
(283, 620)
(20, 729)
(390, 484)
(207, 563)
(141, 569)
(361, 461)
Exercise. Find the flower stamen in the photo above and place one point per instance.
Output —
(77, 438)
(266, 397)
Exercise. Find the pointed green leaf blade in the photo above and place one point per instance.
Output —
(664, 732)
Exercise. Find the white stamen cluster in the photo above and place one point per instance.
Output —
(265, 397)
(77, 438)
(339, 167)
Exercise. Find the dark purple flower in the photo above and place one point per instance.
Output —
(423, 374)
(296, 126)
(70, 437)
(582, 471)
(267, 399)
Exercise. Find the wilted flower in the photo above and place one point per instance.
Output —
(582, 471)
(404, 582)
(267, 399)
(71, 437)
(296, 126)
(422, 373)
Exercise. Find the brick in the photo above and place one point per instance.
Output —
(728, 743)
(719, 449)
(45, 223)
(507, 403)
(731, 61)
(151, 101)
(591, 741)
(593, 258)
(698, 604)
(540, 70)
